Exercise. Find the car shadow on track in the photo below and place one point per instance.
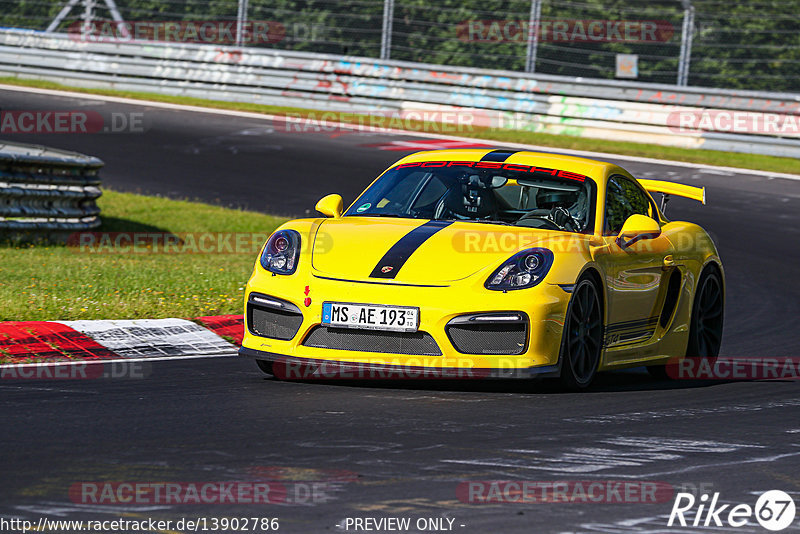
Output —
(116, 224)
(628, 380)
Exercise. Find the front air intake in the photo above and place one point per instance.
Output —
(412, 343)
(272, 318)
(495, 333)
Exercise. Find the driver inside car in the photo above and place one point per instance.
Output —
(564, 209)
(470, 198)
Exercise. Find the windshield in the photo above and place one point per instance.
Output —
(517, 195)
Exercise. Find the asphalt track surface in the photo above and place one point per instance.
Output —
(401, 450)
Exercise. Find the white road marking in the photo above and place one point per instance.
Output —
(356, 127)
(64, 509)
(629, 452)
(623, 418)
(428, 397)
(588, 470)
(28, 388)
(715, 171)
(678, 445)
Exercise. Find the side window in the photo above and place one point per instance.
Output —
(623, 199)
(511, 194)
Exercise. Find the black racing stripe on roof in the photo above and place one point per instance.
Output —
(498, 155)
(397, 256)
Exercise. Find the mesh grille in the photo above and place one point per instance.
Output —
(275, 324)
(488, 338)
(416, 343)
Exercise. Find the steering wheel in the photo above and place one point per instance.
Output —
(559, 217)
(441, 210)
(564, 219)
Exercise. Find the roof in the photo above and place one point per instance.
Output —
(588, 167)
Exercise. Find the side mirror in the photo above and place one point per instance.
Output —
(330, 206)
(636, 228)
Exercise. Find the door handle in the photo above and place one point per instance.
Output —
(669, 262)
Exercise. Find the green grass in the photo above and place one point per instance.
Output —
(710, 157)
(56, 282)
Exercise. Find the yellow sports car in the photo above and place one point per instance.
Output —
(477, 263)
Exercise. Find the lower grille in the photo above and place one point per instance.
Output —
(274, 323)
(488, 337)
(414, 343)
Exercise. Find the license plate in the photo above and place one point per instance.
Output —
(370, 316)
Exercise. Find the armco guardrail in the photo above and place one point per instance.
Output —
(46, 190)
(769, 123)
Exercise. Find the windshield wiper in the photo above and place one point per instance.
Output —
(485, 221)
(383, 215)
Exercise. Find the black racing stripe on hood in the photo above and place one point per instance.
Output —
(396, 257)
(498, 155)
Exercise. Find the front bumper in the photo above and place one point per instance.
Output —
(543, 306)
(288, 368)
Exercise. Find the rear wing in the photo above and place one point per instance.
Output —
(671, 188)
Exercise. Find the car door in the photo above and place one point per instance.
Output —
(634, 274)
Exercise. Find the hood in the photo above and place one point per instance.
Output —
(414, 250)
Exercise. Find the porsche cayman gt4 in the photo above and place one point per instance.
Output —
(481, 263)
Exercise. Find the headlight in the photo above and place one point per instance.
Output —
(524, 269)
(281, 252)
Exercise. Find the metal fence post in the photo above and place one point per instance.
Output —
(89, 6)
(386, 34)
(241, 20)
(686, 42)
(61, 15)
(88, 17)
(533, 35)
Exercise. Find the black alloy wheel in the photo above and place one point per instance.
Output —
(705, 334)
(583, 337)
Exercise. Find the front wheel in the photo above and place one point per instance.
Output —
(659, 372)
(583, 337)
(265, 366)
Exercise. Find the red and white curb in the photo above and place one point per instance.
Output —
(50, 342)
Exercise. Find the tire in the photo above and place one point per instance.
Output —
(708, 310)
(659, 372)
(265, 366)
(582, 341)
